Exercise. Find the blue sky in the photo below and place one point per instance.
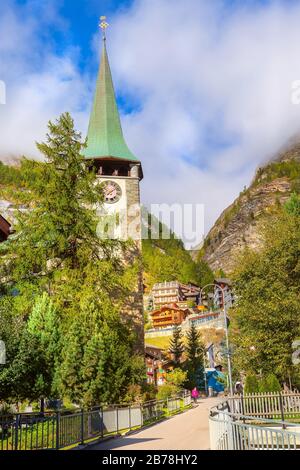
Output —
(204, 86)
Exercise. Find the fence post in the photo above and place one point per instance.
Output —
(142, 414)
(281, 410)
(102, 422)
(82, 427)
(57, 430)
(130, 417)
(117, 420)
(17, 432)
(243, 408)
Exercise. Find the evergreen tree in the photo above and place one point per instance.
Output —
(176, 347)
(194, 363)
(58, 233)
(98, 365)
(273, 383)
(270, 383)
(80, 282)
(251, 384)
(27, 375)
(43, 325)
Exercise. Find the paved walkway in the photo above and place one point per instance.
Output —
(186, 431)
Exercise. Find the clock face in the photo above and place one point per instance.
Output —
(111, 191)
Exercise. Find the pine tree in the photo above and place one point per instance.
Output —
(58, 233)
(98, 365)
(79, 281)
(194, 364)
(176, 347)
(28, 375)
(251, 384)
(270, 383)
(43, 325)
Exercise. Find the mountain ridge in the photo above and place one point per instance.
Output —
(239, 224)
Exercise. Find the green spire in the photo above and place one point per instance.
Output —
(105, 136)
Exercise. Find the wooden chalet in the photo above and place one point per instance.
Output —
(169, 315)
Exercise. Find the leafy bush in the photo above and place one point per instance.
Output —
(251, 384)
(166, 391)
(270, 383)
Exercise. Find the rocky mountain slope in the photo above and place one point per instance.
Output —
(238, 225)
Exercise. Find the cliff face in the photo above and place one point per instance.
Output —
(239, 225)
(7, 210)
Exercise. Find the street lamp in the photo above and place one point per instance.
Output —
(226, 331)
(204, 367)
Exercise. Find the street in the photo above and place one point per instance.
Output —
(186, 431)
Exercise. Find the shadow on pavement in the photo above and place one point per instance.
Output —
(119, 442)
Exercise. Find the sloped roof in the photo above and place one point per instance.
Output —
(105, 136)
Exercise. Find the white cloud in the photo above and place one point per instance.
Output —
(214, 87)
(40, 84)
(216, 90)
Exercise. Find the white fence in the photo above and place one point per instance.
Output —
(283, 405)
(233, 429)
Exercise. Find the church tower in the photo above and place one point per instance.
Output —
(119, 172)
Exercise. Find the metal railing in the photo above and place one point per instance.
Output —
(66, 428)
(244, 423)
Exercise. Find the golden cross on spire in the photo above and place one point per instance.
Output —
(103, 25)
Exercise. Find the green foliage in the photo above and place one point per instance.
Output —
(194, 363)
(62, 325)
(176, 347)
(168, 260)
(251, 384)
(176, 377)
(28, 375)
(204, 273)
(98, 365)
(266, 320)
(220, 273)
(166, 391)
(288, 168)
(15, 181)
(270, 383)
(265, 384)
(10, 175)
(174, 383)
(43, 323)
(140, 393)
(59, 233)
(293, 205)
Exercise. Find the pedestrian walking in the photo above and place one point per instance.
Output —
(195, 394)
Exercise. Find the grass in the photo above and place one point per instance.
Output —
(207, 335)
(159, 341)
